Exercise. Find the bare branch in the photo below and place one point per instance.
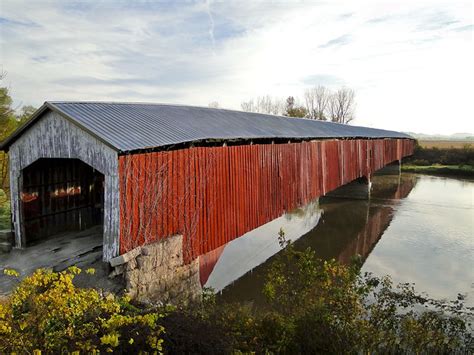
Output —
(342, 106)
(264, 104)
(317, 102)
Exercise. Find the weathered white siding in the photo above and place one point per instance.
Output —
(55, 137)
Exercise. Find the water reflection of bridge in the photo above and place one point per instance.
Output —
(360, 235)
(342, 225)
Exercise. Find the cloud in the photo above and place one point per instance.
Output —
(40, 59)
(380, 19)
(323, 79)
(211, 23)
(436, 21)
(346, 15)
(464, 28)
(338, 41)
(8, 22)
(198, 52)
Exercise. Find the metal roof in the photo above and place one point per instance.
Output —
(134, 126)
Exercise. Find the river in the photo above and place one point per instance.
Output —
(415, 228)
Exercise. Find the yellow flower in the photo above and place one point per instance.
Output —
(110, 339)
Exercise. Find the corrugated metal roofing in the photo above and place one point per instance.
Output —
(133, 126)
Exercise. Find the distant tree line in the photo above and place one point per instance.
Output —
(320, 103)
(442, 156)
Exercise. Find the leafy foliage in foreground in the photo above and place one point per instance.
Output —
(321, 306)
(314, 306)
(47, 312)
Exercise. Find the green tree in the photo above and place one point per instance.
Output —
(7, 125)
(9, 121)
(293, 109)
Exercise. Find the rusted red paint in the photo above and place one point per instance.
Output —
(213, 195)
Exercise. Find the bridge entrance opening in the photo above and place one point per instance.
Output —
(60, 195)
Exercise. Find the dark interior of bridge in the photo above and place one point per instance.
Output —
(60, 195)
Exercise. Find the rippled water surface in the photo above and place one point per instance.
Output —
(415, 228)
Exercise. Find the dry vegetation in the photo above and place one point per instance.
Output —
(441, 144)
(450, 158)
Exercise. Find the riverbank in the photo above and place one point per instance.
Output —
(442, 160)
(440, 170)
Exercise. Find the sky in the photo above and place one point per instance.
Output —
(409, 62)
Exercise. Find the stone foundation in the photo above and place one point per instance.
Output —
(156, 273)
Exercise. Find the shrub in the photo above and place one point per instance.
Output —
(314, 306)
(5, 219)
(189, 333)
(333, 308)
(317, 306)
(47, 312)
(420, 162)
(443, 156)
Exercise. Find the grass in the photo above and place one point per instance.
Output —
(442, 144)
(448, 158)
(451, 170)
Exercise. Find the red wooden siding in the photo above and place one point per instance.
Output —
(212, 195)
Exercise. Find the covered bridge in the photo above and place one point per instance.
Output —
(150, 171)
